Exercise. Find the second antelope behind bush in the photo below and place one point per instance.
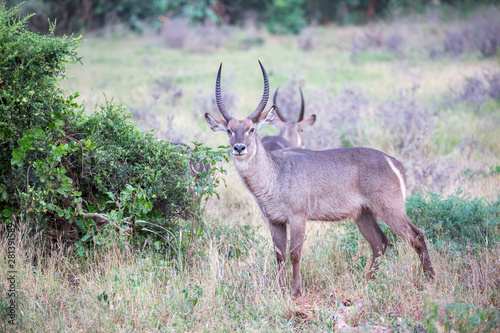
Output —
(294, 185)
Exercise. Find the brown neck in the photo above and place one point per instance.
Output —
(258, 170)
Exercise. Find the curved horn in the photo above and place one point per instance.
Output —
(276, 106)
(301, 116)
(265, 97)
(218, 97)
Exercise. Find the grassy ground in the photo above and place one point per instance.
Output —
(228, 283)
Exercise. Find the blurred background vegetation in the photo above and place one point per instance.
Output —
(280, 16)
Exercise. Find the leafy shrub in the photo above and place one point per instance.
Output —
(462, 317)
(121, 155)
(97, 14)
(29, 93)
(77, 177)
(286, 16)
(458, 220)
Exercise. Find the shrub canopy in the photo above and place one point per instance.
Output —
(74, 175)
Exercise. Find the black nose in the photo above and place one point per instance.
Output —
(239, 148)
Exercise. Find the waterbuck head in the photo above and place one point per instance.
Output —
(290, 130)
(242, 133)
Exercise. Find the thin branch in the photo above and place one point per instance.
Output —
(104, 218)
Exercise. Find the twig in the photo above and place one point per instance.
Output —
(104, 218)
(343, 315)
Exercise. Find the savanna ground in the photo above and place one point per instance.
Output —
(395, 86)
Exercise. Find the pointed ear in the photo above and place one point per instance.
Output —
(309, 121)
(277, 122)
(266, 117)
(216, 124)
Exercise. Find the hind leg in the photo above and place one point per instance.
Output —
(418, 243)
(369, 228)
(403, 227)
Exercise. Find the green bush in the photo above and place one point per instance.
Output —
(286, 16)
(84, 178)
(458, 220)
(461, 317)
(29, 92)
(96, 14)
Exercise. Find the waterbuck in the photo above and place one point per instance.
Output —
(293, 185)
(196, 166)
(290, 132)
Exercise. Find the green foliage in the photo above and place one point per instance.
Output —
(461, 317)
(192, 296)
(91, 176)
(286, 16)
(458, 220)
(96, 14)
(29, 93)
(120, 154)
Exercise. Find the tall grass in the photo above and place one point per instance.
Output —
(229, 284)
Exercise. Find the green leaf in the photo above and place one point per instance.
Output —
(38, 133)
(18, 156)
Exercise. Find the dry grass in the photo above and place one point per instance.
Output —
(115, 290)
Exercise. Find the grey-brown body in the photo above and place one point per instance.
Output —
(293, 185)
(275, 142)
(332, 193)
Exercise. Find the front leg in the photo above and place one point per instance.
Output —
(278, 233)
(297, 236)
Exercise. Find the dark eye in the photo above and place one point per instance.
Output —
(251, 130)
(229, 131)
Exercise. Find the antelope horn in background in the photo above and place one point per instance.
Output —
(301, 116)
(218, 98)
(265, 97)
(276, 106)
